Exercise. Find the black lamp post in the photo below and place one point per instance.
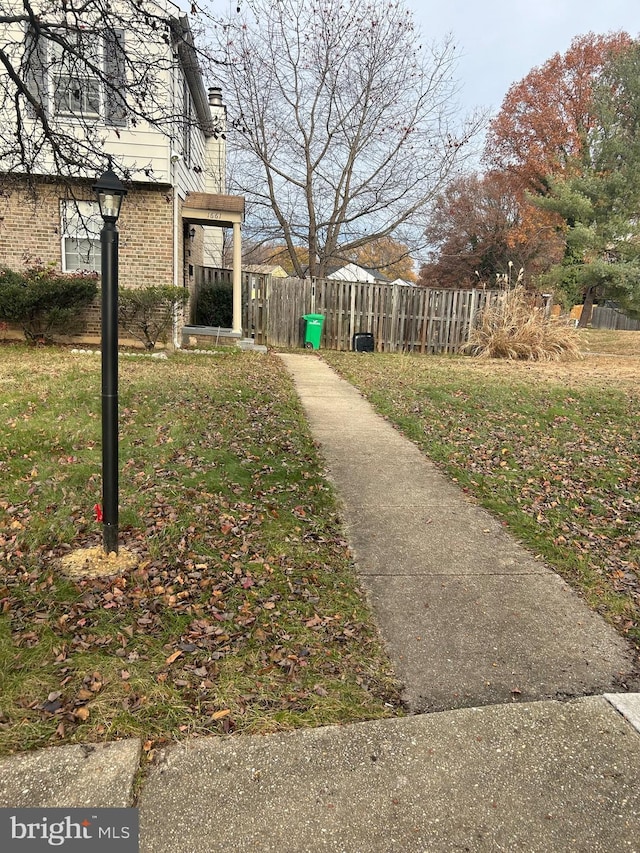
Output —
(110, 193)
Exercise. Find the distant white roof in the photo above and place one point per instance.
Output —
(354, 272)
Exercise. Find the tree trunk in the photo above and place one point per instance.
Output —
(587, 309)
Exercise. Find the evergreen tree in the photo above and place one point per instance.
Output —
(598, 197)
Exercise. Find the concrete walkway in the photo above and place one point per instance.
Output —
(469, 619)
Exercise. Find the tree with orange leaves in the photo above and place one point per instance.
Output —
(598, 200)
(391, 257)
(544, 133)
(545, 119)
(479, 225)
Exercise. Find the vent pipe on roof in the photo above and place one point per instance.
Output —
(215, 96)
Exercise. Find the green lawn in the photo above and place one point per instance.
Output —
(243, 614)
(552, 450)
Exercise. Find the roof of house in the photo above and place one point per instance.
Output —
(209, 201)
(223, 211)
(188, 56)
(376, 274)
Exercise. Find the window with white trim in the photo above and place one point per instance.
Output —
(81, 224)
(76, 85)
(84, 78)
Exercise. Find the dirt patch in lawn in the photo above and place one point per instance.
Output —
(610, 358)
(95, 563)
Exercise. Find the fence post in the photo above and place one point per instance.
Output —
(393, 332)
(473, 308)
(352, 312)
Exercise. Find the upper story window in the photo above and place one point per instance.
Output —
(81, 76)
(76, 84)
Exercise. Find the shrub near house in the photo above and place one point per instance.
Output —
(148, 312)
(45, 303)
(214, 306)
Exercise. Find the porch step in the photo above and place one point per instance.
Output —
(194, 335)
(209, 335)
(250, 344)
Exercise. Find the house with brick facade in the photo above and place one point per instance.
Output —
(173, 167)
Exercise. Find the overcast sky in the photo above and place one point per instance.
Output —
(500, 41)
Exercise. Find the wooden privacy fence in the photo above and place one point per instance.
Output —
(612, 318)
(401, 318)
(253, 292)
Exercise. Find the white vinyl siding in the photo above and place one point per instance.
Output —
(142, 151)
(187, 123)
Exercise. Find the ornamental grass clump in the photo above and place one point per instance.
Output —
(515, 328)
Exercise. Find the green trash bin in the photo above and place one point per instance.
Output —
(313, 330)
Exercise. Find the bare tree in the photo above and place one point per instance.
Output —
(341, 122)
(74, 72)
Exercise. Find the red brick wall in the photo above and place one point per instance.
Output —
(146, 238)
(29, 226)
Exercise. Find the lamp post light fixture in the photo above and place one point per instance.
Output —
(110, 192)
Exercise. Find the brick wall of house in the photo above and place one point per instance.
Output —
(146, 238)
(30, 228)
(90, 333)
